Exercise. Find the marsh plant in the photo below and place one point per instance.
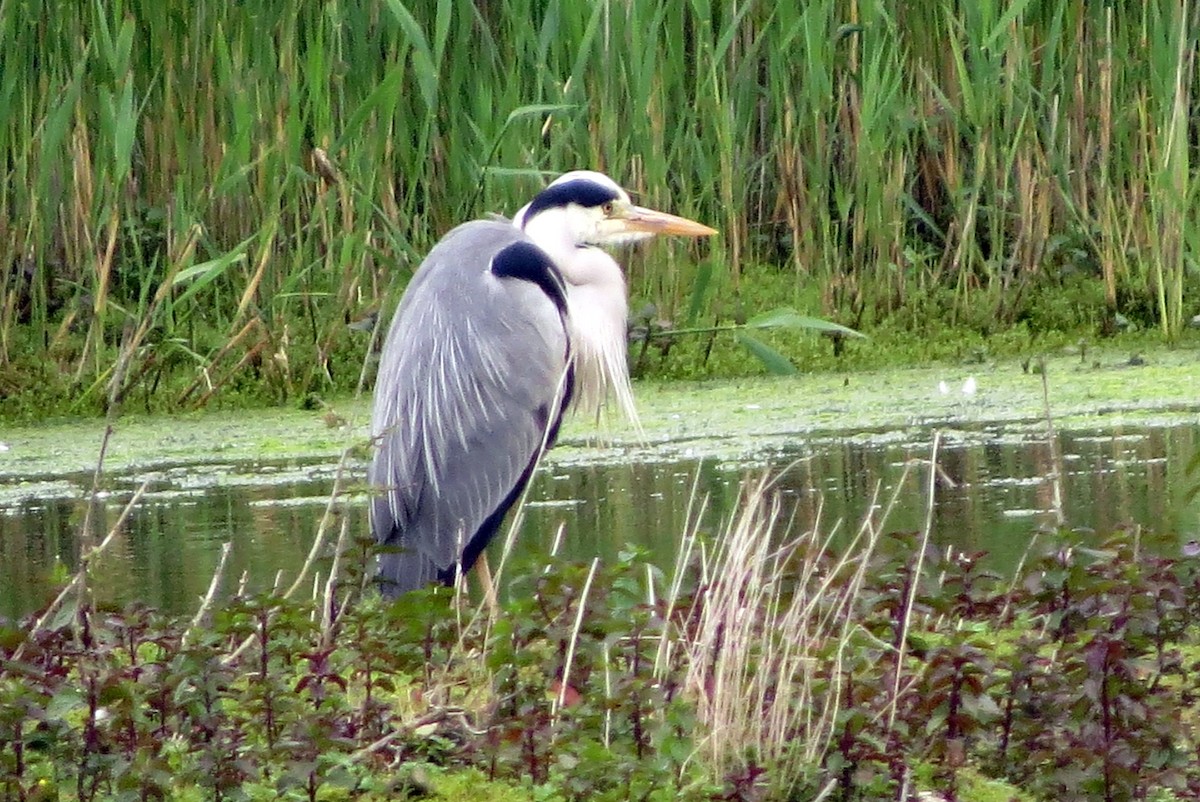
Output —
(768, 664)
(229, 194)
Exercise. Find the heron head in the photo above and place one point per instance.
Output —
(589, 208)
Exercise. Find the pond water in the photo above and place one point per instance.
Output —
(995, 492)
(262, 480)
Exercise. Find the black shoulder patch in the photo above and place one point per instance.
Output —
(580, 191)
(528, 262)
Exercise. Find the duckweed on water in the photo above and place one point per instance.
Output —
(725, 420)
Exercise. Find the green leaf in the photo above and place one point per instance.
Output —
(207, 272)
(121, 120)
(1000, 33)
(441, 30)
(64, 703)
(424, 66)
(536, 109)
(521, 172)
(54, 129)
(774, 361)
(383, 98)
(787, 318)
(64, 616)
(106, 45)
(583, 51)
(704, 273)
(980, 706)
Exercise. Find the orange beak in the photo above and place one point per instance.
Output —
(647, 221)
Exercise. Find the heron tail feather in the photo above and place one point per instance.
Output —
(403, 570)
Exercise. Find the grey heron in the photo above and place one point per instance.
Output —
(502, 328)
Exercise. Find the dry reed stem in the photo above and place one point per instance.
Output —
(407, 729)
(247, 358)
(484, 572)
(1058, 471)
(86, 527)
(79, 581)
(206, 603)
(314, 553)
(328, 607)
(696, 507)
(556, 544)
(914, 586)
(264, 258)
(770, 625)
(564, 683)
(204, 377)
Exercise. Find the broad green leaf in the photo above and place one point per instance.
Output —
(103, 38)
(732, 30)
(423, 63)
(537, 109)
(387, 93)
(1000, 32)
(207, 272)
(64, 616)
(54, 130)
(69, 699)
(774, 361)
(585, 47)
(441, 31)
(124, 130)
(787, 318)
(548, 34)
(521, 172)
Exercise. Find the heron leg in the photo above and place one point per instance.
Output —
(484, 573)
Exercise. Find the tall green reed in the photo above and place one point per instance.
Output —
(307, 156)
(1171, 32)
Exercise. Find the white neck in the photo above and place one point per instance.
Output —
(597, 310)
(557, 232)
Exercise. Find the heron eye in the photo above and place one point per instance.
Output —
(608, 208)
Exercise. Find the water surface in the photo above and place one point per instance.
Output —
(243, 478)
(994, 492)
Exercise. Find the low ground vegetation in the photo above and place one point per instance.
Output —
(754, 670)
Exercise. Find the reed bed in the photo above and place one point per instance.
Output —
(219, 190)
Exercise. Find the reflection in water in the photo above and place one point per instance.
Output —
(994, 492)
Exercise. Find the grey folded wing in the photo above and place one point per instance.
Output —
(471, 377)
